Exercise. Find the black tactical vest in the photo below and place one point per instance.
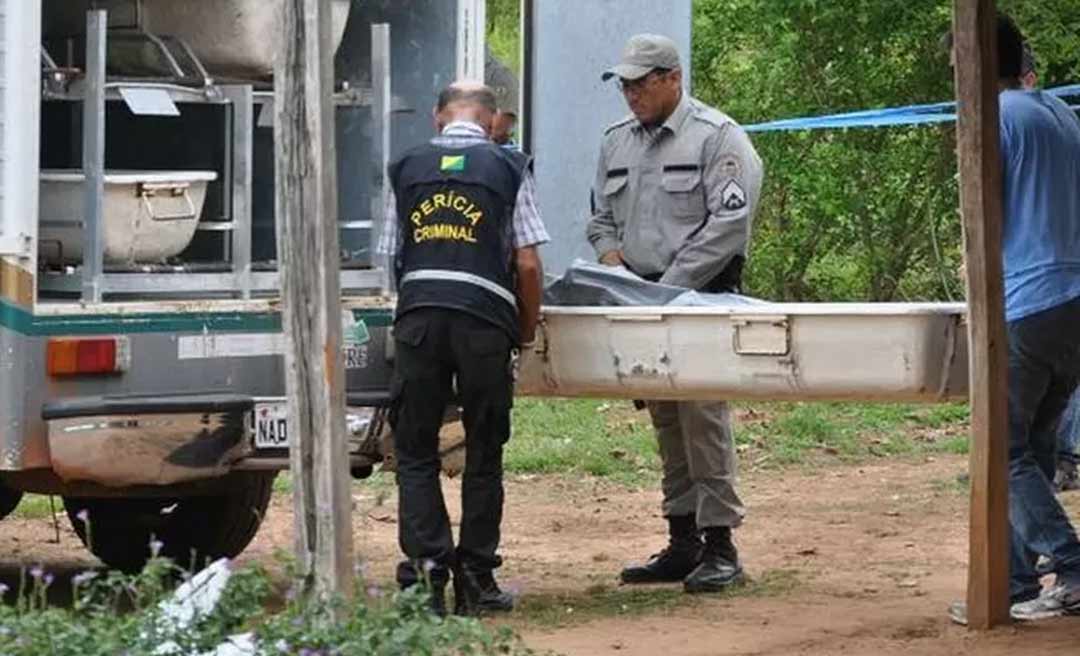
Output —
(455, 207)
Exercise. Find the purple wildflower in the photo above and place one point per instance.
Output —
(37, 572)
(83, 578)
(49, 578)
(83, 516)
(429, 565)
(155, 547)
(3, 589)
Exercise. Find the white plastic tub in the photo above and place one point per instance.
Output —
(870, 351)
(148, 216)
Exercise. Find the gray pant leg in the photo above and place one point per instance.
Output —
(680, 496)
(698, 454)
(709, 446)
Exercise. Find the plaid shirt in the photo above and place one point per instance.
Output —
(528, 227)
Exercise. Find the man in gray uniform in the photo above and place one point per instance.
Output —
(675, 192)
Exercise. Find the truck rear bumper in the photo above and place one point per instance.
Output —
(121, 441)
(147, 440)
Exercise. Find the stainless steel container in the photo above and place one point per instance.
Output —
(233, 38)
(148, 216)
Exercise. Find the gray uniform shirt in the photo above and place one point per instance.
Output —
(677, 200)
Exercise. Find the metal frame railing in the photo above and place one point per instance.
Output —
(241, 278)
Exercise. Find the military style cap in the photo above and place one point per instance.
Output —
(643, 53)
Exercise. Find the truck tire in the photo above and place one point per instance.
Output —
(193, 531)
(9, 500)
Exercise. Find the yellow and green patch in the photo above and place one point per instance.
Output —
(452, 163)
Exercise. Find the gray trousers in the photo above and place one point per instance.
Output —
(698, 452)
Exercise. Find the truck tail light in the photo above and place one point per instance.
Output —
(74, 357)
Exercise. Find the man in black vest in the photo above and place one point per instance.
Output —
(462, 231)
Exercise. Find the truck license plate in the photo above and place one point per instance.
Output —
(271, 426)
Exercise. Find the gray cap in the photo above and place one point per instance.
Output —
(643, 53)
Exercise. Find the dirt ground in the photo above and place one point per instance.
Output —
(848, 559)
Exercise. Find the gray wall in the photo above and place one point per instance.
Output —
(572, 42)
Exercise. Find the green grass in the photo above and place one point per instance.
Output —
(36, 506)
(600, 601)
(610, 439)
(283, 483)
(606, 439)
(797, 433)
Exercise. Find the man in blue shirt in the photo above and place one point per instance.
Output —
(1067, 476)
(1040, 151)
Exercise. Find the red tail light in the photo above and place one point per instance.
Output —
(74, 357)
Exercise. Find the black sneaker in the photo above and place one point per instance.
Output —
(671, 565)
(476, 593)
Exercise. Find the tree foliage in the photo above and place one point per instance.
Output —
(859, 214)
(865, 213)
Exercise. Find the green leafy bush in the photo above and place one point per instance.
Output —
(115, 614)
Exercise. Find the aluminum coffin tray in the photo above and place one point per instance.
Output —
(781, 351)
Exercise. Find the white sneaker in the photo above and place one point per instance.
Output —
(1061, 599)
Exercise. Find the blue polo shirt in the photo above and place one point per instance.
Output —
(1040, 151)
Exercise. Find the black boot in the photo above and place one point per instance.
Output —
(719, 568)
(476, 593)
(411, 575)
(438, 600)
(678, 559)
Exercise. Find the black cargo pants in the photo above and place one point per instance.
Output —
(437, 350)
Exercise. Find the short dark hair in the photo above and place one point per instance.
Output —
(1011, 47)
(1030, 62)
(482, 96)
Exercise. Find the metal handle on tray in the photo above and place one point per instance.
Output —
(147, 190)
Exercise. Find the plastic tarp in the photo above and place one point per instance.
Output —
(589, 284)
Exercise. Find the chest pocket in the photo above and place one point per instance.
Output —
(615, 183)
(683, 191)
(615, 194)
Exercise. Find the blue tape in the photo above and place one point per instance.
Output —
(942, 112)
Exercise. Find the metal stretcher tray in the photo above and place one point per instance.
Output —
(781, 351)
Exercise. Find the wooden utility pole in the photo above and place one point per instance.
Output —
(975, 47)
(306, 209)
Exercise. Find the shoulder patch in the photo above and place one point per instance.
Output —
(626, 120)
(732, 196)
